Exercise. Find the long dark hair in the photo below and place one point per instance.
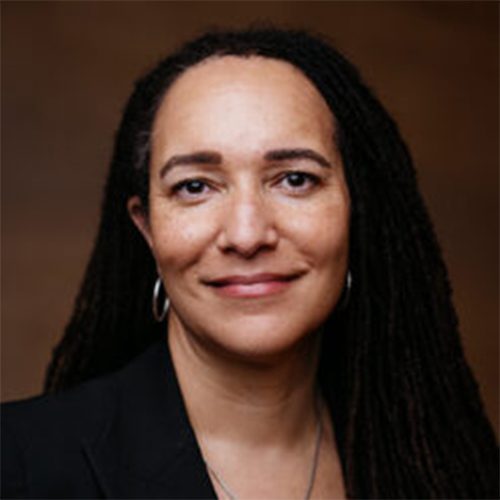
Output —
(406, 410)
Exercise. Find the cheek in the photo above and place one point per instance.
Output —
(179, 240)
(321, 232)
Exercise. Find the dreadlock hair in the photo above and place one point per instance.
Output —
(406, 410)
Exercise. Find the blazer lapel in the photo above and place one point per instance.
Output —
(148, 449)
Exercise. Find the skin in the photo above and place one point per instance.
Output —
(267, 195)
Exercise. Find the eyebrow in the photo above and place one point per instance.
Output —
(214, 158)
(199, 158)
(297, 154)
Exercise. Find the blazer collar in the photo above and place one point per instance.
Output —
(148, 448)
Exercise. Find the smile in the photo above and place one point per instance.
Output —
(252, 286)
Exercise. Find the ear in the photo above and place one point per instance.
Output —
(139, 218)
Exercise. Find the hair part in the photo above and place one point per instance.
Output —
(406, 410)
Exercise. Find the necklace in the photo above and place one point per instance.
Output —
(312, 474)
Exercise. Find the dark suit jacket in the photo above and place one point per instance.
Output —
(123, 436)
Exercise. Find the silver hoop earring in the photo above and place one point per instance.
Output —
(156, 293)
(344, 300)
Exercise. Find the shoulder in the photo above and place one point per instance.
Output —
(125, 435)
(86, 406)
(63, 413)
(42, 437)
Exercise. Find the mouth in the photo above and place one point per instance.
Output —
(252, 285)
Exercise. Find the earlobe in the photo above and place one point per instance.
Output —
(138, 215)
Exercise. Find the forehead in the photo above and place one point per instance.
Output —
(231, 95)
(215, 70)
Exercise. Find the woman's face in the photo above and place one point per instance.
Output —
(249, 208)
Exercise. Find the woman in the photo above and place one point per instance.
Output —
(312, 347)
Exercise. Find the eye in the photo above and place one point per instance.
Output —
(299, 181)
(190, 188)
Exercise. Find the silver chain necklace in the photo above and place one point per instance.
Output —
(312, 474)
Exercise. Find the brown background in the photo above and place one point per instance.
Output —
(68, 67)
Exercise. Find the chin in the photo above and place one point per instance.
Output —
(260, 340)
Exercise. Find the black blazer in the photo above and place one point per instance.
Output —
(123, 436)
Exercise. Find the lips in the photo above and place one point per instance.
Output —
(252, 285)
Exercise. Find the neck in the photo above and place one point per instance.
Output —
(269, 403)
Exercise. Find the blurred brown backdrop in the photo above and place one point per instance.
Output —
(68, 67)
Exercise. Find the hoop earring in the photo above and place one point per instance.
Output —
(156, 293)
(344, 300)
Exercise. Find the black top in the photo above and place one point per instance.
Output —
(126, 435)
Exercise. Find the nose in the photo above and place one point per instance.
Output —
(249, 225)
